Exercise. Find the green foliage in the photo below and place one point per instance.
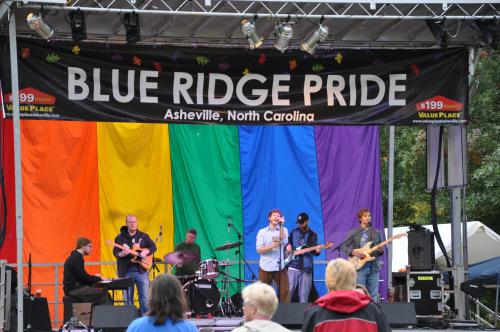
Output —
(411, 202)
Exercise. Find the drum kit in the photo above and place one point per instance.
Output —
(202, 293)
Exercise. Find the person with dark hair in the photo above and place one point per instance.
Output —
(167, 307)
(301, 267)
(132, 239)
(77, 283)
(344, 308)
(270, 243)
(188, 270)
(368, 275)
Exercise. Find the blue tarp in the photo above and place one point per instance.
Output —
(487, 270)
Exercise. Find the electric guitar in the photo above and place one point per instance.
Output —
(290, 257)
(366, 251)
(144, 262)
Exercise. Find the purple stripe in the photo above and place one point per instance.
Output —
(349, 176)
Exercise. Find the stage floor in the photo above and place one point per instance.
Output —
(228, 324)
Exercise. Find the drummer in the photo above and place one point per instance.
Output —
(187, 271)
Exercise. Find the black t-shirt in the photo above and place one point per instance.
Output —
(189, 268)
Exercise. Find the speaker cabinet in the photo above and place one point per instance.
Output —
(290, 315)
(399, 314)
(36, 314)
(113, 317)
(421, 250)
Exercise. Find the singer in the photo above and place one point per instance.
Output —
(368, 275)
(271, 242)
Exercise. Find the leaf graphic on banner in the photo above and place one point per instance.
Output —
(339, 57)
(224, 66)
(137, 60)
(76, 50)
(158, 66)
(25, 52)
(116, 57)
(246, 71)
(415, 69)
(52, 58)
(317, 67)
(262, 59)
(293, 64)
(202, 61)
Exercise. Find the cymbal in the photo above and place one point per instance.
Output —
(228, 246)
(181, 257)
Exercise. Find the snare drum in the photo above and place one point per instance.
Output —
(203, 296)
(209, 269)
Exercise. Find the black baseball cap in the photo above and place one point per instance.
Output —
(302, 218)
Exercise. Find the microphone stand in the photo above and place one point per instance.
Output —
(280, 248)
(345, 241)
(241, 258)
(154, 266)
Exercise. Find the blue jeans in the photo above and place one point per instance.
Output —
(369, 279)
(303, 281)
(141, 280)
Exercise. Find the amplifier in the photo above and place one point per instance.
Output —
(425, 289)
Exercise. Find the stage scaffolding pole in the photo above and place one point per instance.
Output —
(390, 201)
(17, 164)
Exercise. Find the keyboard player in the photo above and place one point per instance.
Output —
(77, 282)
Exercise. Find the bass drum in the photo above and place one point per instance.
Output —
(203, 296)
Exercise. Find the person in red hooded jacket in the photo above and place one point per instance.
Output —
(344, 308)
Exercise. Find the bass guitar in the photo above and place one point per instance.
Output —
(366, 251)
(135, 251)
(290, 257)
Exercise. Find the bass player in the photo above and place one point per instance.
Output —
(369, 274)
(135, 247)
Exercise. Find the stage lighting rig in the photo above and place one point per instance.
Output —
(36, 23)
(78, 27)
(439, 31)
(284, 33)
(317, 36)
(132, 25)
(248, 29)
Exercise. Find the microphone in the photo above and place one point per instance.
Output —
(229, 224)
(161, 232)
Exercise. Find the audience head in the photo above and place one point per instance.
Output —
(340, 274)
(259, 301)
(166, 299)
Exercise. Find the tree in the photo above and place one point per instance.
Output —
(411, 202)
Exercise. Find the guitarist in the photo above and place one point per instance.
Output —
(369, 274)
(300, 269)
(131, 237)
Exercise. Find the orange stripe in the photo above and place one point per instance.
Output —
(60, 194)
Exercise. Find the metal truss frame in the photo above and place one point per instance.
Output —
(281, 9)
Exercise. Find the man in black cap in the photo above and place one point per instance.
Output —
(301, 267)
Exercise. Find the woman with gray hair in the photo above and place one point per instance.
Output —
(344, 308)
(259, 305)
(167, 307)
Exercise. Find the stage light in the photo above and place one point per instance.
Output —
(311, 42)
(132, 27)
(36, 23)
(284, 33)
(248, 29)
(78, 28)
(439, 31)
(489, 30)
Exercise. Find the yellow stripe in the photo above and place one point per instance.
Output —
(134, 178)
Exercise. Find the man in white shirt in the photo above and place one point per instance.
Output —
(271, 241)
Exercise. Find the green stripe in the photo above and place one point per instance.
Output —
(207, 187)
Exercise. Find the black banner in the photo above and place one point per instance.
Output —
(94, 82)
